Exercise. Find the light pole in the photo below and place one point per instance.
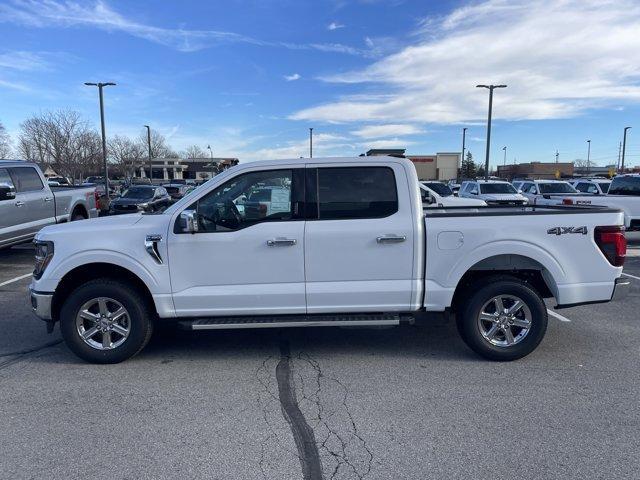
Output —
(588, 156)
(504, 149)
(464, 137)
(310, 142)
(100, 86)
(210, 152)
(624, 147)
(486, 160)
(149, 146)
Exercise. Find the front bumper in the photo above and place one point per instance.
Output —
(41, 304)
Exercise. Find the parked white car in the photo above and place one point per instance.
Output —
(594, 186)
(545, 192)
(436, 194)
(355, 247)
(493, 192)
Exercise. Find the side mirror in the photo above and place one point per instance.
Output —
(520, 192)
(7, 192)
(189, 220)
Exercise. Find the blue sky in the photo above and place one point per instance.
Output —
(249, 78)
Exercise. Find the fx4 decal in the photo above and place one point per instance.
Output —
(563, 230)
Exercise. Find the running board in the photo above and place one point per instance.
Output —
(345, 320)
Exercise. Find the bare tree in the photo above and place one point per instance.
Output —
(5, 143)
(63, 140)
(194, 151)
(159, 146)
(126, 154)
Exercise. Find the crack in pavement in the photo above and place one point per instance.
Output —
(337, 444)
(303, 434)
(24, 354)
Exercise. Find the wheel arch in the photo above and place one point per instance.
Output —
(521, 267)
(79, 208)
(90, 271)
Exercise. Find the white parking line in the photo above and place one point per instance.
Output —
(632, 276)
(21, 277)
(558, 316)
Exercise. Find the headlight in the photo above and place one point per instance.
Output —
(44, 254)
(142, 206)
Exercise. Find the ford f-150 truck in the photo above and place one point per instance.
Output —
(28, 203)
(348, 244)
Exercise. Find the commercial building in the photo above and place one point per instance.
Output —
(440, 166)
(536, 170)
(184, 168)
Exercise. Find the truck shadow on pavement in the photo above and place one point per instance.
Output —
(437, 341)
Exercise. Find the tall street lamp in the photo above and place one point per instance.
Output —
(624, 147)
(100, 86)
(149, 146)
(504, 149)
(588, 156)
(486, 160)
(310, 142)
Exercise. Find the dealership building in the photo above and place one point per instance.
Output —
(439, 166)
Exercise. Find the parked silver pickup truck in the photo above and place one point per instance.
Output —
(28, 203)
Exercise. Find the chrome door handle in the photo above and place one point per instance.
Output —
(391, 239)
(275, 242)
(47, 199)
(19, 203)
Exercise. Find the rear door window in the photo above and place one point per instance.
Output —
(356, 192)
(26, 179)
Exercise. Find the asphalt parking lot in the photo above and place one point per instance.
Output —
(403, 403)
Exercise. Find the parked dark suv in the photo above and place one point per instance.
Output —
(141, 198)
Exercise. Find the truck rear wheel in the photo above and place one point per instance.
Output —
(504, 320)
(105, 321)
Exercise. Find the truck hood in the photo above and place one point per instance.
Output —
(97, 226)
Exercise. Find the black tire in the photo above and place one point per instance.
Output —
(139, 313)
(481, 293)
(78, 216)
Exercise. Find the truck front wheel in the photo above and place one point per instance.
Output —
(105, 321)
(503, 320)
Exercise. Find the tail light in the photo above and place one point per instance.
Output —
(612, 243)
(262, 208)
(567, 201)
(96, 195)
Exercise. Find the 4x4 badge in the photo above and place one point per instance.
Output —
(562, 230)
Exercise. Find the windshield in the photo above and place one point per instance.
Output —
(440, 188)
(138, 192)
(604, 186)
(497, 188)
(560, 187)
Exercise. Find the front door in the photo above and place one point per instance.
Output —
(359, 245)
(34, 205)
(248, 254)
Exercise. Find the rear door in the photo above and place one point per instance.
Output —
(34, 203)
(358, 239)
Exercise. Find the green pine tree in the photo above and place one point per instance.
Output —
(468, 168)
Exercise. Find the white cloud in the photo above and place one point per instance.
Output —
(334, 26)
(377, 131)
(292, 78)
(559, 59)
(59, 13)
(23, 61)
(388, 143)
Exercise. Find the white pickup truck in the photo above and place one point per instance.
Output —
(352, 247)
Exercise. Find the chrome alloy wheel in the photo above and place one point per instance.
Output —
(103, 323)
(504, 320)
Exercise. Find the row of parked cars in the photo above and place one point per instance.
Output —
(622, 192)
